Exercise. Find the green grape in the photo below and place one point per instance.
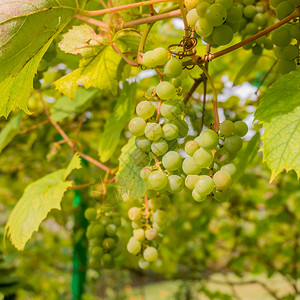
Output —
(171, 109)
(234, 14)
(222, 196)
(173, 145)
(97, 251)
(294, 31)
(111, 230)
(105, 220)
(268, 44)
(233, 143)
(127, 198)
(43, 66)
(170, 132)
(203, 28)
(90, 214)
(175, 184)
(145, 173)
(229, 168)
(205, 185)
(136, 225)
(191, 147)
(89, 232)
(165, 90)
(257, 50)
(108, 260)
(151, 234)
(203, 158)
(286, 66)
(201, 8)
(190, 4)
(216, 14)
(208, 139)
(197, 197)
(156, 57)
(98, 230)
(159, 217)
(150, 92)
(251, 28)
(137, 126)
(139, 234)
(117, 221)
(234, 26)
(284, 9)
(143, 264)
(159, 147)
(116, 252)
(96, 242)
(173, 68)
(145, 110)
(182, 126)
(290, 52)
(189, 167)
(275, 3)
(109, 243)
(150, 254)
(157, 180)
(191, 17)
(260, 40)
(226, 128)
(176, 82)
(143, 143)
(281, 37)
(260, 19)
(249, 11)
(154, 203)
(240, 128)
(36, 83)
(135, 214)
(95, 263)
(171, 160)
(191, 181)
(153, 131)
(133, 246)
(278, 52)
(148, 59)
(222, 180)
(226, 3)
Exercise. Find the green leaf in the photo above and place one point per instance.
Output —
(37, 200)
(132, 160)
(128, 14)
(116, 121)
(10, 131)
(26, 31)
(98, 71)
(279, 111)
(130, 37)
(64, 107)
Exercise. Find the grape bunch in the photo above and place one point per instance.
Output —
(208, 167)
(147, 221)
(284, 8)
(103, 240)
(286, 39)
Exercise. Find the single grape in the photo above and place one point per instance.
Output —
(137, 126)
(127, 198)
(145, 110)
(182, 126)
(203, 28)
(143, 264)
(105, 220)
(150, 254)
(171, 109)
(175, 184)
(226, 128)
(43, 65)
(284, 9)
(222, 180)
(294, 31)
(190, 4)
(153, 131)
(203, 158)
(189, 167)
(135, 213)
(260, 19)
(145, 173)
(234, 26)
(233, 143)
(173, 145)
(240, 128)
(216, 14)
(143, 143)
(159, 147)
(116, 252)
(234, 14)
(159, 217)
(226, 3)
(192, 17)
(108, 261)
(160, 55)
(173, 68)
(95, 263)
(133, 246)
(176, 82)
(191, 147)
(172, 160)
(148, 59)
(150, 92)
(249, 11)
(222, 196)
(275, 3)
(90, 214)
(208, 139)
(154, 203)
(197, 197)
(201, 9)
(157, 180)
(286, 66)
(109, 243)
(281, 37)
(251, 28)
(257, 50)
(139, 234)
(268, 44)
(117, 221)
(151, 234)
(98, 230)
(205, 185)
(170, 132)
(111, 230)
(97, 251)
(165, 90)
(191, 181)
(229, 168)
(278, 52)
(96, 242)
(290, 52)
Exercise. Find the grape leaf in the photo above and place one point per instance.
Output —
(27, 29)
(132, 160)
(37, 200)
(64, 107)
(10, 131)
(279, 111)
(116, 121)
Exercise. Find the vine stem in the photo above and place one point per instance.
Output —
(118, 8)
(215, 98)
(157, 164)
(183, 13)
(34, 127)
(192, 90)
(146, 207)
(92, 21)
(142, 42)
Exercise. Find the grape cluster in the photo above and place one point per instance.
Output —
(147, 221)
(208, 168)
(284, 8)
(103, 239)
(286, 50)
